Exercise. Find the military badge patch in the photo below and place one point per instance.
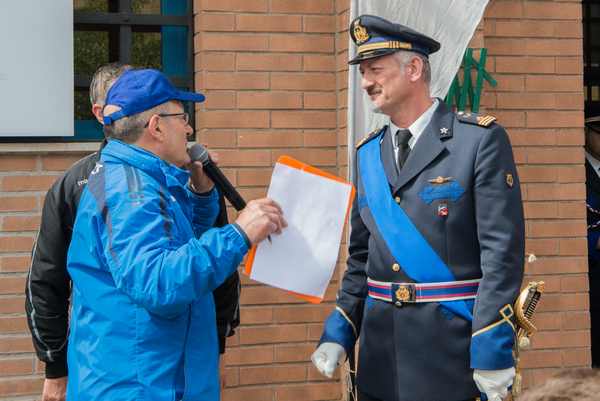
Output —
(360, 33)
(442, 188)
(443, 209)
(510, 180)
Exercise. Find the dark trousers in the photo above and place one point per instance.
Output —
(365, 397)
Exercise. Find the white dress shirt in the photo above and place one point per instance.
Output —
(416, 128)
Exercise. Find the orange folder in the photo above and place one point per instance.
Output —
(291, 162)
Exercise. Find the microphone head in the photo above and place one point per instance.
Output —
(198, 153)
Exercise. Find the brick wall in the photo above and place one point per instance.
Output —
(535, 50)
(275, 74)
(268, 68)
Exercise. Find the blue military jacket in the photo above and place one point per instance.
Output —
(473, 221)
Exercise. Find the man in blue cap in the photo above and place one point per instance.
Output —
(436, 248)
(144, 259)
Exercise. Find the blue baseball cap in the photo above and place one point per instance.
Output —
(138, 90)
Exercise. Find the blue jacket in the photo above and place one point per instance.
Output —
(144, 261)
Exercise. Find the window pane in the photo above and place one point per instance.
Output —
(145, 49)
(594, 10)
(91, 51)
(83, 109)
(90, 5)
(146, 6)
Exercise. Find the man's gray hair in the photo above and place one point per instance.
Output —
(103, 79)
(404, 57)
(129, 129)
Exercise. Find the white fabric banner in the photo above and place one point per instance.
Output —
(450, 22)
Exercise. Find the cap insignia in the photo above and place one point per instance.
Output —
(360, 33)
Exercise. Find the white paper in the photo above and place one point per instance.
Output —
(302, 259)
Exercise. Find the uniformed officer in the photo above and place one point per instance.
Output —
(592, 173)
(436, 249)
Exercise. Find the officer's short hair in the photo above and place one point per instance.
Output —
(130, 128)
(404, 57)
(103, 79)
(568, 385)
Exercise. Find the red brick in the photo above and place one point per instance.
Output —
(320, 100)
(564, 302)
(560, 228)
(293, 352)
(551, 10)
(269, 100)
(558, 265)
(240, 80)
(272, 374)
(303, 81)
(574, 283)
(546, 246)
(225, 42)
(216, 61)
(557, 83)
(20, 386)
(303, 119)
(319, 23)
(317, 157)
(20, 223)
(215, 22)
(218, 138)
(16, 366)
(219, 100)
(541, 359)
(504, 9)
(318, 62)
(269, 62)
(309, 392)
(269, 139)
(12, 344)
(272, 334)
(256, 315)
(18, 203)
(248, 394)
(260, 295)
(320, 138)
(249, 355)
(302, 7)
(15, 263)
(569, 65)
(313, 43)
(13, 324)
(571, 210)
(573, 246)
(575, 321)
(553, 340)
(234, 5)
(17, 163)
(12, 304)
(234, 119)
(580, 357)
(16, 244)
(268, 23)
(244, 158)
(28, 183)
(557, 155)
(528, 65)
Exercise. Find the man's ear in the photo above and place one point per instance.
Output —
(416, 69)
(154, 129)
(97, 112)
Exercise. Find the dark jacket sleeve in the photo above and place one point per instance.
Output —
(48, 285)
(227, 295)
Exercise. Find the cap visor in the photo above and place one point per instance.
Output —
(189, 97)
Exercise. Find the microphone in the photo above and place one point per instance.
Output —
(199, 153)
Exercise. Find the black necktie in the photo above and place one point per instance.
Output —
(402, 138)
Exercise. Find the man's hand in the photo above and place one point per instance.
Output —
(55, 389)
(260, 218)
(494, 383)
(327, 357)
(200, 182)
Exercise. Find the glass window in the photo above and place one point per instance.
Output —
(144, 33)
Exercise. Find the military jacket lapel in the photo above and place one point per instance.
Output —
(387, 157)
(428, 147)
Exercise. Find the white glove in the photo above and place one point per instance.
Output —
(494, 383)
(327, 357)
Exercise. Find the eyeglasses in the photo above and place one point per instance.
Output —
(185, 117)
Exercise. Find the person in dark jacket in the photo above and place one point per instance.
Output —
(436, 249)
(592, 175)
(48, 287)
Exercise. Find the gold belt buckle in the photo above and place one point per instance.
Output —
(405, 293)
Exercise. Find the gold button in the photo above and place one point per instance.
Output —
(397, 199)
(396, 267)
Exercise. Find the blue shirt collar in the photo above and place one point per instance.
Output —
(145, 161)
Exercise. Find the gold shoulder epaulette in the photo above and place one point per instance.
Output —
(368, 137)
(483, 120)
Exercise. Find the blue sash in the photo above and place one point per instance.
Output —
(406, 244)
